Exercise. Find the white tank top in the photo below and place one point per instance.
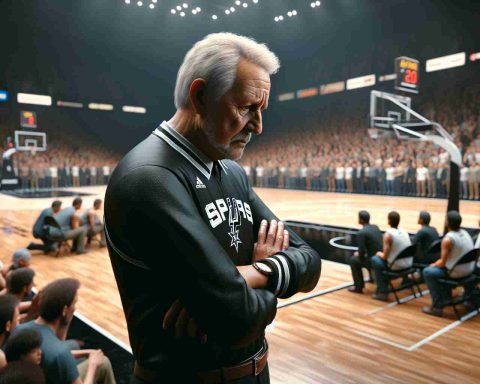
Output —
(400, 241)
(390, 173)
(462, 243)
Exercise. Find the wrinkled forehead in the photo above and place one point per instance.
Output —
(252, 82)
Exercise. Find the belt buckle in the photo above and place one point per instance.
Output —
(256, 367)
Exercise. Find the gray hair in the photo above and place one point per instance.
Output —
(215, 59)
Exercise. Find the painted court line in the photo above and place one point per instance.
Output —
(104, 332)
(315, 294)
(394, 303)
(422, 342)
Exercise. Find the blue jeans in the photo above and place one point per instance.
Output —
(439, 292)
(379, 265)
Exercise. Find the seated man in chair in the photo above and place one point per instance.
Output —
(456, 243)
(369, 243)
(425, 237)
(395, 240)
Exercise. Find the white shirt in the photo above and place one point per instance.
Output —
(464, 174)
(400, 241)
(462, 243)
(422, 173)
(106, 170)
(93, 171)
(303, 172)
(339, 173)
(53, 171)
(247, 169)
(75, 171)
(390, 171)
(259, 171)
(348, 173)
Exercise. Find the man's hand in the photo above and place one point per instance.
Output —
(96, 358)
(179, 321)
(269, 243)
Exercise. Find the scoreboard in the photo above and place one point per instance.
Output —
(406, 70)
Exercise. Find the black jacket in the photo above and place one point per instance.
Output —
(369, 241)
(424, 238)
(175, 231)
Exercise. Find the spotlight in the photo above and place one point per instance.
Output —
(199, 9)
(151, 6)
(289, 14)
(214, 17)
(185, 5)
(194, 11)
(280, 18)
(182, 14)
(276, 19)
(173, 11)
(245, 5)
(179, 8)
(294, 13)
(317, 3)
(232, 9)
(312, 5)
(254, 1)
(238, 2)
(139, 3)
(227, 12)
(127, 1)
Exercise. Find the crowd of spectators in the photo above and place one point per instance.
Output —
(34, 328)
(334, 152)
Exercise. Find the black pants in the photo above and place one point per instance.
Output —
(356, 265)
(263, 378)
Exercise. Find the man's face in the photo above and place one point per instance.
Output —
(233, 118)
(57, 209)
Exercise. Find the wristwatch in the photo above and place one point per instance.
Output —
(263, 268)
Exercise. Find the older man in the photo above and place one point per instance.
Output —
(181, 221)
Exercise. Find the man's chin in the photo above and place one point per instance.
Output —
(235, 154)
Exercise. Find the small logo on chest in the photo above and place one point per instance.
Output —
(200, 184)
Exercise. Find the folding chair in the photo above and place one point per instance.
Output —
(402, 267)
(432, 252)
(461, 275)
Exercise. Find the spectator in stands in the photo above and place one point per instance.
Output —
(21, 259)
(395, 240)
(425, 236)
(39, 231)
(91, 219)
(57, 307)
(369, 241)
(22, 372)
(25, 346)
(20, 284)
(422, 177)
(68, 220)
(455, 244)
(9, 314)
(464, 175)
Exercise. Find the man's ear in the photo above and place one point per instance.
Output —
(8, 326)
(65, 311)
(197, 95)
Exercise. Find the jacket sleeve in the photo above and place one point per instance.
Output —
(297, 269)
(172, 239)
(361, 244)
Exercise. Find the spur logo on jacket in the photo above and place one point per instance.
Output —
(236, 209)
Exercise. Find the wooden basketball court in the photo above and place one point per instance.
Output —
(327, 336)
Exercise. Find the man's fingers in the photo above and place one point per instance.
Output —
(181, 324)
(262, 232)
(279, 236)
(171, 315)
(272, 232)
(286, 239)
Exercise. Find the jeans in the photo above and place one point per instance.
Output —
(439, 292)
(379, 265)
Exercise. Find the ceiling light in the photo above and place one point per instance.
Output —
(173, 11)
(317, 3)
(276, 19)
(179, 8)
(127, 1)
(294, 13)
(185, 5)
(280, 18)
(255, 1)
(312, 5)
(199, 9)
(139, 3)
(227, 12)
(289, 14)
(151, 6)
(245, 5)
(238, 2)
(154, 1)
(232, 9)
(182, 14)
(194, 11)
(214, 17)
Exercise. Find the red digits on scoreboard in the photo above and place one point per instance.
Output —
(411, 76)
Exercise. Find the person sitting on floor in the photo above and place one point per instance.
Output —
(24, 346)
(68, 220)
(91, 219)
(456, 243)
(425, 237)
(395, 240)
(369, 241)
(39, 231)
(9, 314)
(57, 306)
